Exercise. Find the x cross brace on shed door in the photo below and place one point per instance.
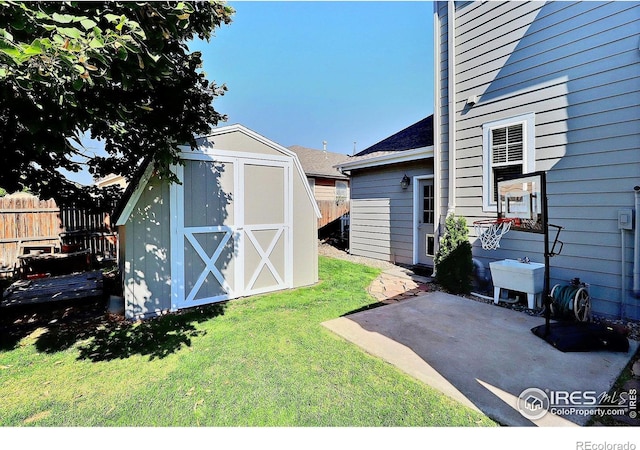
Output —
(264, 254)
(210, 261)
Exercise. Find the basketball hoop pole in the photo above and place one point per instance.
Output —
(547, 254)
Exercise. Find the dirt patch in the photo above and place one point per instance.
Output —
(326, 249)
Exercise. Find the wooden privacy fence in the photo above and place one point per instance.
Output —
(331, 210)
(89, 230)
(26, 219)
(26, 222)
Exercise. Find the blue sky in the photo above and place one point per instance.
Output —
(301, 73)
(307, 72)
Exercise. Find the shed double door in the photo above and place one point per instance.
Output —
(233, 228)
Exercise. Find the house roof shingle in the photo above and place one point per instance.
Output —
(319, 163)
(418, 135)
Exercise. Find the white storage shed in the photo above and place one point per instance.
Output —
(241, 222)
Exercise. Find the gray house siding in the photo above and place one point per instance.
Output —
(382, 212)
(575, 66)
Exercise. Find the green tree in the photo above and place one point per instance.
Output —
(118, 72)
(453, 260)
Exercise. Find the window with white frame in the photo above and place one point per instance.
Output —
(508, 149)
(342, 191)
(312, 185)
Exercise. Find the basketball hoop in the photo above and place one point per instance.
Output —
(490, 231)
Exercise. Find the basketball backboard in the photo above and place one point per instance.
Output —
(521, 199)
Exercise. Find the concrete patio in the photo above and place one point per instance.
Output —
(479, 354)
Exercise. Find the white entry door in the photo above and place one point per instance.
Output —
(425, 212)
(233, 229)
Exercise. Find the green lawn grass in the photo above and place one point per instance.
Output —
(259, 361)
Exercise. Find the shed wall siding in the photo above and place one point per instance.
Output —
(147, 286)
(382, 212)
(239, 142)
(575, 65)
(305, 235)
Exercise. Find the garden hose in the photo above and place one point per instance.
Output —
(565, 298)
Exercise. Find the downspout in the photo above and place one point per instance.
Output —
(636, 246)
(437, 148)
(623, 281)
(451, 98)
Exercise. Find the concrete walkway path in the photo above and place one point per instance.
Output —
(482, 355)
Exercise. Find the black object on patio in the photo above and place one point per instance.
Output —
(582, 337)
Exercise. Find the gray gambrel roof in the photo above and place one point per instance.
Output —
(145, 171)
(319, 163)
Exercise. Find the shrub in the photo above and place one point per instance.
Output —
(454, 266)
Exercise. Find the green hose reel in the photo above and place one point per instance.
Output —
(571, 301)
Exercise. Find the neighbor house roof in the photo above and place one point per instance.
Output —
(320, 163)
(412, 143)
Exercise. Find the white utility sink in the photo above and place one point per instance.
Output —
(518, 276)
